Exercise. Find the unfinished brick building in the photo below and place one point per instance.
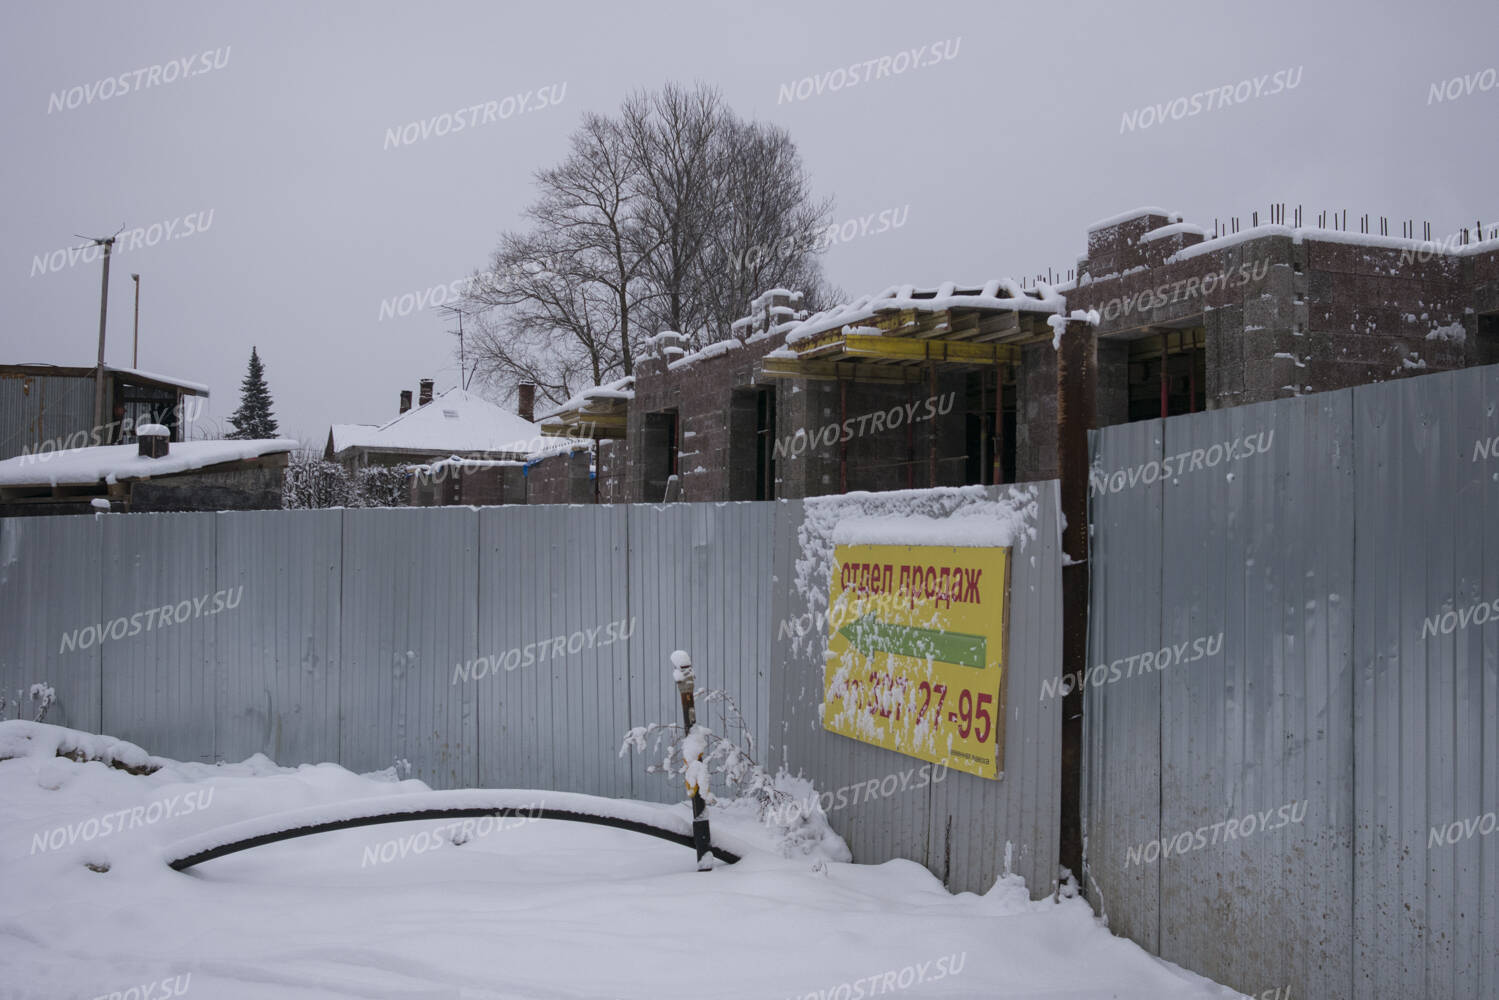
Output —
(953, 385)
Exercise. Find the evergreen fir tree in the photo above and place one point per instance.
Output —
(253, 419)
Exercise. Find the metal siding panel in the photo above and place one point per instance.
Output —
(51, 584)
(47, 410)
(1248, 555)
(410, 616)
(1426, 702)
(1122, 719)
(159, 692)
(277, 657)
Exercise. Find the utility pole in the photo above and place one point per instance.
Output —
(107, 242)
(135, 349)
(462, 365)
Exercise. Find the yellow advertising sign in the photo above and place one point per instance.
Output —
(917, 642)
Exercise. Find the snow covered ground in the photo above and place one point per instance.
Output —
(527, 908)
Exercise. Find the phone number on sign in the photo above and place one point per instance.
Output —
(888, 695)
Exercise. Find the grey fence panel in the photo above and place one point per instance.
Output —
(1354, 565)
(1428, 655)
(1122, 718)
(278, 658)
(51, 587)
(410, 615)
(960, 826)
(552, 715)
(158, 692)
(697, 584)
(1014, 823)
(1253, 551)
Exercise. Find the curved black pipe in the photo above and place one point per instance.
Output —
(541, 812)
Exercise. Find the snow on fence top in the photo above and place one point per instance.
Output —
(996, 294)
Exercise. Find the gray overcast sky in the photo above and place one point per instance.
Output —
(1003, 153)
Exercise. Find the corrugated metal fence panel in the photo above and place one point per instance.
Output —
(957, 825)
(1427, 518)
(1256, 551)
(553, 612)
(1122, 718)
(278, 657)
(159, 690)
(50, 586)
(410, 615)
(1354, 565)
(698, 584)
(1017, 818)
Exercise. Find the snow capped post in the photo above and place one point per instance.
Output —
(692, 755)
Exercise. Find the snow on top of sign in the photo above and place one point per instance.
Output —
(1133, 213)
(960, 516)
(115, 462)
(983, 523)
(997, 293)
(1173, 230)
(153, 430)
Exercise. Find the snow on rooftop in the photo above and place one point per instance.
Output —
(1173, 230)
(1133, 213)
(1425, 248)
(111, 463)
(998, 293)
(621, 388)
(197, 387)
(454, 422)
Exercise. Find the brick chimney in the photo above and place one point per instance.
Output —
(527, 405)
(426, 392)
(405, 400)
(152, 440)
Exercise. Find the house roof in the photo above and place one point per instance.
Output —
(112, 463)
(454, 423)
(87, 371)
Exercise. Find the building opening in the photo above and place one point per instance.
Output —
(990, 452)
(752, 431)
(1168, 374)
(659, 462)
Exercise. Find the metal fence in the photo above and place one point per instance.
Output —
(502, 646)
(507, 647)
(1295, 617)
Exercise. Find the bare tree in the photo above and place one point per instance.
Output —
(674, 214)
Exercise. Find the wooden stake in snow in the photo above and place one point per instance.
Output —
(681, 672)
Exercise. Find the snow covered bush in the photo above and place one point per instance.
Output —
(778, 800)
(312, 482)
(381, 486)
(42, 693)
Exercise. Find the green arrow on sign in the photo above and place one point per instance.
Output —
(868, 635)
